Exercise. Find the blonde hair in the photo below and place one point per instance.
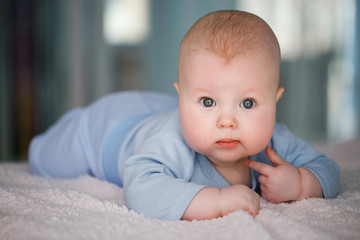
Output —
(230, 33)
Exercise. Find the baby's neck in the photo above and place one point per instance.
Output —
(237, 173)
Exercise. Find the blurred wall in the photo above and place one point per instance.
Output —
(169, 22)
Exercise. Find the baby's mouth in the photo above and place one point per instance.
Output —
(227, 143)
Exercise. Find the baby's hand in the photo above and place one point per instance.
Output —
(212, 202)
(280, 183)
(238, 197)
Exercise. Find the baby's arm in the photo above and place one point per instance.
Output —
(157, 183)
(211, 202)
(283, 181)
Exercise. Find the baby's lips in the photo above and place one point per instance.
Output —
(227, 143)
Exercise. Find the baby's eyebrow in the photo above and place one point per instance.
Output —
(199, 90)
(255, 95)
(253, 91)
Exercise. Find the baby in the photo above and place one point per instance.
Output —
(210, 153)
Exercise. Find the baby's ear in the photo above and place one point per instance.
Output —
(176, 85)
(279, 93)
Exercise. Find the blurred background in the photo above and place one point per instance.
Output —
(59, 54)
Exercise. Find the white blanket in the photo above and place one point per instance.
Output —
(32, 207)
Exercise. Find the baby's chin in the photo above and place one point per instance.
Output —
(227, 158)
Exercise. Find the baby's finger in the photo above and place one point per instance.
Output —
(262, 168)
(262, 179)
(274, 157)
(254, 207)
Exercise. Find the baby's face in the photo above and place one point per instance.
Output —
(227, 109)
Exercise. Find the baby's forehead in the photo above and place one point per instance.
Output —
(202, 67)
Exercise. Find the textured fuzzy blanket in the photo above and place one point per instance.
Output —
(32, 207)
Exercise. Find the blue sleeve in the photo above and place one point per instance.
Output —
(301, 154)
(156, 178)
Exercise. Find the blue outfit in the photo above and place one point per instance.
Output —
(135, 140)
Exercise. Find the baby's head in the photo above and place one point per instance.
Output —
(230, 34)
(228, 76)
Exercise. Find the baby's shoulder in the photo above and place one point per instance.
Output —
(281, 132)
(282, 139)
(284, 142)
(163, 123)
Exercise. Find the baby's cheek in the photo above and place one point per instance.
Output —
(262, 137)
(196, 139)
(192, 139)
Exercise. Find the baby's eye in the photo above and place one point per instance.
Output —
(248, 104)
(207, 102)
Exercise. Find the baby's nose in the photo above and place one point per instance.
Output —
(226, 122)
